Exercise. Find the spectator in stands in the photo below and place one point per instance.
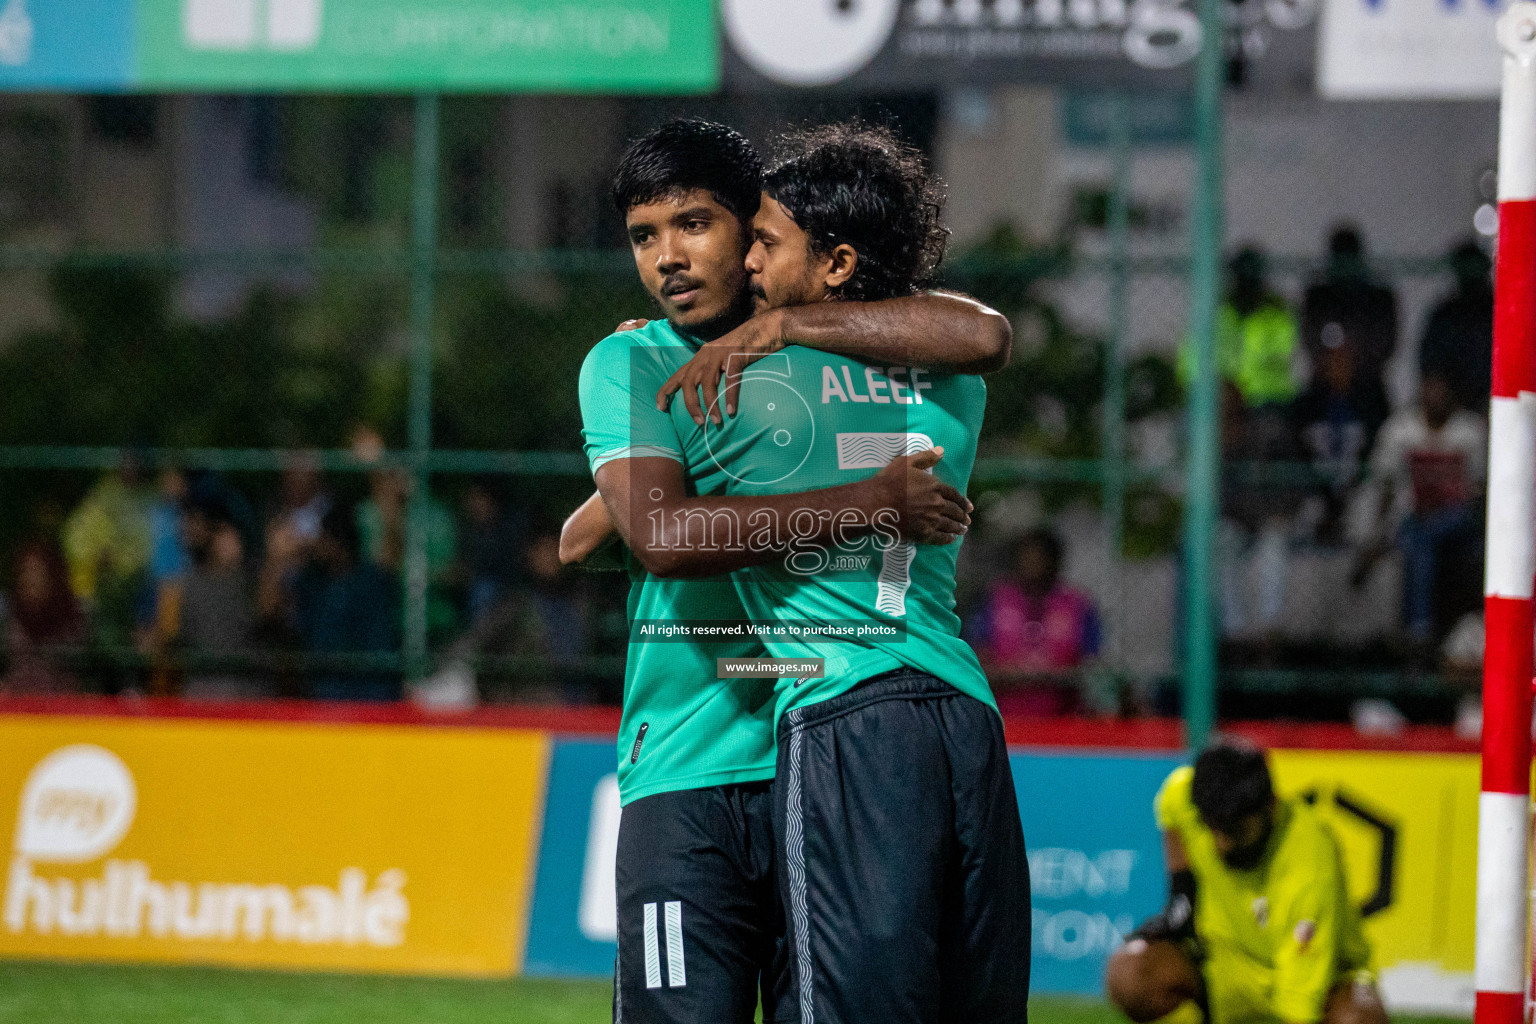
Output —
(168, 555)
(1255, 337)
(1430, 465)
(1257, 514)
(107, 537)
(1346, 305)
(1458, 335)
(1336, 425)
(335, 603)
(169, 560)
(382, 523)
(493, 548)
(303, 502)
(217, 611)
(210, 489)
(558, 629)
(1461, 665)
(547, 622)
(43, 623)
(107, 543)
(1032, 628)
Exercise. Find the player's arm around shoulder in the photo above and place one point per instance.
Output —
(938, 330)
(941, 331)
(649, 503)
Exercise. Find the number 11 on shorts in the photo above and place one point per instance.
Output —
(676, 977)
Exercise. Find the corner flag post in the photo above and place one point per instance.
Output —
(1504, 808)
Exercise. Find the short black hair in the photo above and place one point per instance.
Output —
(1231, 782)
(1468, 260)
(686, 154)
(1044, 538)
(340, 524)
(858, 184)
(1346, 240)
(1249, 262)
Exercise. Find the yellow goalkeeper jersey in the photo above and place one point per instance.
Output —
(1280, 937)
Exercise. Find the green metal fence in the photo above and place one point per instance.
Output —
(424, 262)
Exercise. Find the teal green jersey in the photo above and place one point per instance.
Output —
(682, 727)
(807, 420)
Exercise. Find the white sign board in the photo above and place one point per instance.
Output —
(1408, 49)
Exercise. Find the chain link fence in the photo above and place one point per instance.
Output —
(329, 464)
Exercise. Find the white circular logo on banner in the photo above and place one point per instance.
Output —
(809, 42)
(1162, 34)
(77, 804)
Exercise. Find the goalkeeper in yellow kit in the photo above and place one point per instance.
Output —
(1259, 926)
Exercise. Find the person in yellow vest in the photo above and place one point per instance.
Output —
(1256, 337)
(1259, 926)
(106, 538)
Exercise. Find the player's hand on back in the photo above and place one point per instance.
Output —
(717, 367)
(631, 325)
(929, 511)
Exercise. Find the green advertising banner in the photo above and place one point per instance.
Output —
(411, 45)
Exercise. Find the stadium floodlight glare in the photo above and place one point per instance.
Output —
(1504, 808)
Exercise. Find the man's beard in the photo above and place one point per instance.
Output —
(734, 315)
(1246, 858)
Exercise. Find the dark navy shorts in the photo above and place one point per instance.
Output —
(901, 858)
(701, 926)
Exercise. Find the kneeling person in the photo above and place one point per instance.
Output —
(1259, 925)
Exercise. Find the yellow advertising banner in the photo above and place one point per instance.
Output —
(1408, 827)
(343, 847)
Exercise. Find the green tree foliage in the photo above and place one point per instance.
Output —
(509, 358)
(123, 370)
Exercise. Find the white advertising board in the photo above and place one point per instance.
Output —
(1408, 49)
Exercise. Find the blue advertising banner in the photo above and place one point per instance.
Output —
(50, 45)
(573, 928)
(1095, 858)
(1094, 855)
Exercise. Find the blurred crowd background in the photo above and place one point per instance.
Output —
(1354, 345)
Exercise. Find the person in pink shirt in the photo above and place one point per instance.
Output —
(1032, 630)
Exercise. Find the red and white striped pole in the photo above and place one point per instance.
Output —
(1504, 809)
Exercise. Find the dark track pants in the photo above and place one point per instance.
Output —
(901, 858)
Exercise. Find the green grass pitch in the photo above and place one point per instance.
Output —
(49, 993)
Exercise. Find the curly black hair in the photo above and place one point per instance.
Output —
(859, 184)
(1231, 782)
(686, 154)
